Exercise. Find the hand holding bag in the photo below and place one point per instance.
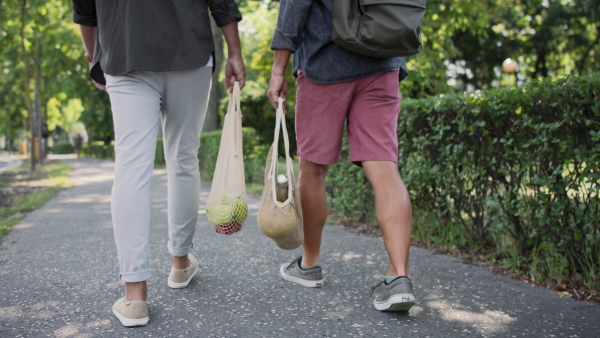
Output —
(227, 207)
(281, 221)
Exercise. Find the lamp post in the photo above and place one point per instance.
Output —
(510, 66)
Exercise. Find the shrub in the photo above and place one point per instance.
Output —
(107, 151)
(520, 162)
(259, 114)
(99, 151)
(159, 153)
(255, 154)
(63, 148)
(351, 198)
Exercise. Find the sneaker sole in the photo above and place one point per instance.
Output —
(303, 282)
(131, 322)
(399, 302)
(181, 285)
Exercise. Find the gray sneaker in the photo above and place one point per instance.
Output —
(311, 278)
(398, 295)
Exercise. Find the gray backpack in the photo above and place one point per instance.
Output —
(378, 28)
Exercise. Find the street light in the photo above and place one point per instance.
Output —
(510, 66)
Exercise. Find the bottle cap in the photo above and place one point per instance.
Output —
(282, 179)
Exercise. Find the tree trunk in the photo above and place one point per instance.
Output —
(581, 63)
(90, 132)
(37, 109)
(212, 119)
(27, 88)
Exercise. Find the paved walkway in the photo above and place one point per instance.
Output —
(8, 161)
(58, 278)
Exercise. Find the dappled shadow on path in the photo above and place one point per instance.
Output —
(454, 299)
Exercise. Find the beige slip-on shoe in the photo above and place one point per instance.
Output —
(180, 278)
(131, 313)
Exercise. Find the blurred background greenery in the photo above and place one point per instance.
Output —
(44, 77)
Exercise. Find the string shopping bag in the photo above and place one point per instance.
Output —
(281, 220)
(227, 207)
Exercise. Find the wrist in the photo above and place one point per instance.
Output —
(278, 71)
(89, 58)
(234, 54)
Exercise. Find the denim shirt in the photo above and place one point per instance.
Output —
(304, 27)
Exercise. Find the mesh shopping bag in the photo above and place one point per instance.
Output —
(227, 208)
(281, 220)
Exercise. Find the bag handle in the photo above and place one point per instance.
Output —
(288, 160)
(234, 98)
(286, 139)
(280, 126)
(234, 112)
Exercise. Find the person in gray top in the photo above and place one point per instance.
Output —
(338, 87)
(155, 61)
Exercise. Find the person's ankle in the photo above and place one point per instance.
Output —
(399, 271)
(137, 291)
(308, 263)
(180, 262)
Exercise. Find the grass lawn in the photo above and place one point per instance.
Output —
(22, 191)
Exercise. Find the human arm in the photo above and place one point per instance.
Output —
(88, 36)
(234, 67)
(84, 14)
(227, 16)
(278, 86)
(287, 37)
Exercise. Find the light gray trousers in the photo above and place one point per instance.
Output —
(141, 102)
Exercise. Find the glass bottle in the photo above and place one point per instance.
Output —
(281, 188)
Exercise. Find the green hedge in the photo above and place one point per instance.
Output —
(258, 113)
(255, 155)
(62, 148)
(513, 168)
(104, 151)
(107, 151)
(159, 153)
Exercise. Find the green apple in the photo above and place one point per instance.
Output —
(218, 213)
(240, 212)
(227, 210)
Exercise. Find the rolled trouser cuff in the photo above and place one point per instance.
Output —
(133, 277)
(180, 252)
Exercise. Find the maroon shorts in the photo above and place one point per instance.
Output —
(370, 106)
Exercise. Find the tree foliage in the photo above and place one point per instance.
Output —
(257, 31)
(39, 36)
(464, 45)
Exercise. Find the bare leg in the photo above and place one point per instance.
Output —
(311, 184)
(136, 291)
(393, 211)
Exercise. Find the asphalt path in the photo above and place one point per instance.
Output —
(58, 278)
(8, 161)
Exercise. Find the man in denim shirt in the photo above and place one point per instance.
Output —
(336, 86)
